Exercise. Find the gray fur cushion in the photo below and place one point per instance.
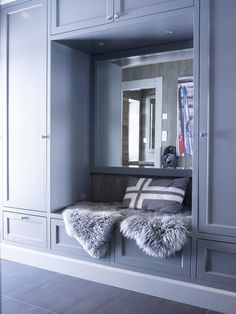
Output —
(164, 195)
(92, 225)
(158, 236)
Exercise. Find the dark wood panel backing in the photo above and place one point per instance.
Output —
(188, 195)
(108, 187)
(111, 188)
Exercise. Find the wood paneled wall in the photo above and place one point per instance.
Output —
(111, 188)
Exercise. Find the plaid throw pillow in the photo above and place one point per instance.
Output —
(165, 195)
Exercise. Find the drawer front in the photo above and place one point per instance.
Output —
(128, 253)
(69, 15)
(25, 229)
(217, 262)
(62, 243)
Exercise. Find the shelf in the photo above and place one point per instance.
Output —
(143, 171)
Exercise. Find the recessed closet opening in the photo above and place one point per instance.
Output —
(135, 87)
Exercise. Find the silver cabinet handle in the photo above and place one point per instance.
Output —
(44, 136)
(109, 18)
(203, 134)
(116, 17)
(24, 218)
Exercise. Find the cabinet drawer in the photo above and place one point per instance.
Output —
(69, 15)
(216, 262)
(25, 229)
(128, 253)
(62, 243)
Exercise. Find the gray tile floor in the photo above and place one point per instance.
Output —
(29, 290)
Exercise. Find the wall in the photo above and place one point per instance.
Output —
(108, 115)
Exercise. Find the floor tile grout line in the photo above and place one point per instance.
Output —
(27, 303)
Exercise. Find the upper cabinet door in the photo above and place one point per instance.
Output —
(127, 9)
(24, 51)
(217, 127)
(69, 15)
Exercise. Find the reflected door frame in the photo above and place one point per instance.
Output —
(157, 84)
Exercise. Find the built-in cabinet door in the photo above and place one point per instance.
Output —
(128, 254)
(69, 15)
(127, 9)
(63, 244)
(217, 128)
(24, 105)
(216, 262)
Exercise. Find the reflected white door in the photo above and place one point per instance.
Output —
(132, 92)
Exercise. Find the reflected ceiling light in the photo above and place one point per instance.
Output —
(168, 31)
(25, 14)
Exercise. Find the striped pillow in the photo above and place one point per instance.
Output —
(164, 195)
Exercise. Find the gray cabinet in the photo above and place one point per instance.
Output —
(216, 262)
(127, 253)
(24, 53)
(69, 15)
(217, 167)
(25, 229)
(45, 127)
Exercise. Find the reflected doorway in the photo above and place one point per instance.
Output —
(141, 122)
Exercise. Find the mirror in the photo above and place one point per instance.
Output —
(144, 106)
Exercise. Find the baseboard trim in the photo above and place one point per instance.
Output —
(197, 295)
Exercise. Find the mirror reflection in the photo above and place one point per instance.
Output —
(144, 111)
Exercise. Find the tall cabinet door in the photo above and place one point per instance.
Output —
(217, 138)
(24, 105)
